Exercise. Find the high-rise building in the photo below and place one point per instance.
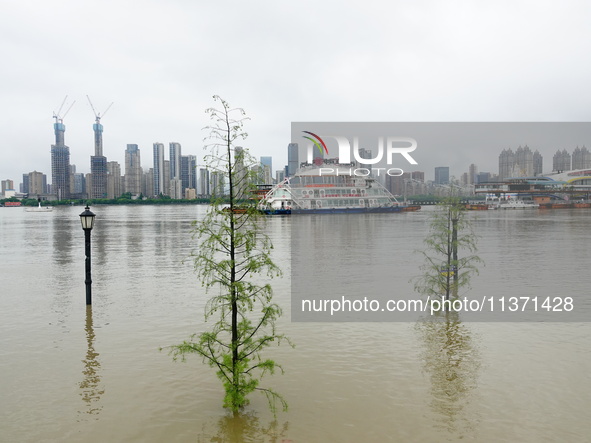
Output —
(7, 185)
(175, 160)
(472, 174)
(561, 161)
(203, 189)
(538, 163)
(217, 184)
(418, 176)
(166, 187)
(267, 170)
(521, 163)
(148, 183)
(60, 163)
(524, 162)
(133, 170)
(88, 180)
(442, 175)
(267, 164)
(175, 185)
(506, 163)
(25, 184)
(581, 158)
(483, 177)
(188, 172)
(293, 162)
(240, 177)
(192, 171)
(175, 189)
(280, 175)
(114, 182)
(78, 185)
(365, 154)
(98, 171)
(159, 187)
(37, 183)
(98, 163)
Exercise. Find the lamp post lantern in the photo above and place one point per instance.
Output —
(87, 220)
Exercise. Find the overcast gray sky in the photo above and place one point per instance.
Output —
(161, 62)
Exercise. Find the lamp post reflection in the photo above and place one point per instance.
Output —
(90, 391)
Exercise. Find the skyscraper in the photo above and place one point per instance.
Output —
(98, 171)
(581, 158)
(7, 185)
(158, 169)
(60, 162)
(442, 175)
(188, 172)
(267, 170)
(524, 162)
(175, 160)
(204, 183)
(175, 185)
(293, 162)
(561, 161)
(114, 185)
(521, 163)
(506, 163)
(25, 184)
(472, 174)
(240, 177)
(37, 183)
(98, 163)
(217, 184)
(133, 170)
(538, 163)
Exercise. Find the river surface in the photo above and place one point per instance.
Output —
(72, 374)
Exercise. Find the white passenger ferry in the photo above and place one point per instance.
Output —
(329, 187)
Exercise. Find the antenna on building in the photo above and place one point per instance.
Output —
(98, 115)
(60, 118)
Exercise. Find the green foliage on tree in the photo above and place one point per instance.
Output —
(233, 256)
(449, 257)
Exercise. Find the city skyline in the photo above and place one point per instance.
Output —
(61, 151)
(444, 62)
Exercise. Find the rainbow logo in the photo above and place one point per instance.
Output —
(325, 150)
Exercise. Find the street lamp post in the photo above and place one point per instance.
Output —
(87, 220)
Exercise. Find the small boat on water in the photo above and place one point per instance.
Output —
(476, 206)
(39, 208)
(511, 203)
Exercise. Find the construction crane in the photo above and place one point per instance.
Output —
(98, 115)
(60, 118)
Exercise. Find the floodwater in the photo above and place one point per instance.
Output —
(72, 374)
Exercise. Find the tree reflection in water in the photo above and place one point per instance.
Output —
(451, 359)
(242, 428)
(89, 386)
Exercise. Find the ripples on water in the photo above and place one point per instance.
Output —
(69, 374)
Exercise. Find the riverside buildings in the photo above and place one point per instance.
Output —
(521, 163)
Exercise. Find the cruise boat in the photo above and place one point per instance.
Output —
(329, 187)
(511, 203)
(39, 208)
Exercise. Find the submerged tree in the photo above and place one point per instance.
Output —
(233, 251)
(450, 261)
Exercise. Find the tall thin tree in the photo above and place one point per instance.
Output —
(233, 256)
(449, 256)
